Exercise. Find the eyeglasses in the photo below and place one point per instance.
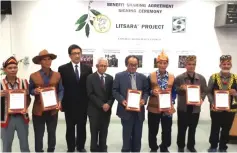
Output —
(76, 53)
(103, 66)
(133, 65)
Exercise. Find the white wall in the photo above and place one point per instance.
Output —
(36, 25)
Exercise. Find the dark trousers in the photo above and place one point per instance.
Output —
(99, 130)
(79, 121)
(153, 126)
(223, 121)
(187, 120)
(39, 122)
(132, 133)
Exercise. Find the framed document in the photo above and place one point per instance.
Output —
(48, 98)
(193, 95)
(133, 100)
(222, 100)
(16, 100)
(164, 100)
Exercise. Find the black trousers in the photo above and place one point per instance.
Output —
(99, 130)
(78, 121)
(187, 120)
(223, 121)
(39, 122)
(153, 126)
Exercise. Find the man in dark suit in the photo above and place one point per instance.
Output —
(75, 99)
(132, 122)
(99, 89)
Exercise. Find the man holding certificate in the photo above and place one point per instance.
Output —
(159, 106)
(223, 104)
(15, 100)
(46, 86)
(191, 89)
(130, 89)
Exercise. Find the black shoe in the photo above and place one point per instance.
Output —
(212, 150)
(81, 150)
(192, 149)
(71, 150)
(181, 150)
(163, 149)
(153, 150)
(222, 150)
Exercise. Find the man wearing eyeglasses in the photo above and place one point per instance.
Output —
(132, 122)
(224, 80)
(99, 89)
(75, 99)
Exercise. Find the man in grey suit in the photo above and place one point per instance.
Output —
(188, 115)
(132, 122)
(99, 88)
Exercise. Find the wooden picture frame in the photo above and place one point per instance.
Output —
(45, 89)
(188, 102)
(16, 111)
(158, 98)
(222, 108)
(131, 91)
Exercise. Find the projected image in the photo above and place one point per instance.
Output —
(87, 59)
(112, 60)
(182, 59)
(140, 61)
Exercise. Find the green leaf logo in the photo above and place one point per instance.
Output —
(94, 18)
(80, 26)
(82, 19)
(91, 21)
(87, 30)
(95, 12)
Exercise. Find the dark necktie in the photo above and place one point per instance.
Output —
(77, 73)
(102, 81)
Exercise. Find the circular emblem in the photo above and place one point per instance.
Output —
(102, 23)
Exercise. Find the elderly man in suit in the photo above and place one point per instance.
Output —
(75, 99)
(132, 122)
(99, 89)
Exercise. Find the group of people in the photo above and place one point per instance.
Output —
(82, 93)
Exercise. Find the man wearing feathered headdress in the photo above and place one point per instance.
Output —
(160, 80)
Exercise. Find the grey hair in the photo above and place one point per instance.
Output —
(102, 59)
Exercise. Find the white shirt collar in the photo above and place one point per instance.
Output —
(74, 65)
(100, 74)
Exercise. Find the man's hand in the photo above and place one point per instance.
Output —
(23, 112)
(37, 91)
(183, 87)
(59, 106)
(233, 92)
(142, 102)
(124, 103)
(155, 92)
(106, 107)
(171, 111)
(3, 93)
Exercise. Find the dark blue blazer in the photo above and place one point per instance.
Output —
(120, 86)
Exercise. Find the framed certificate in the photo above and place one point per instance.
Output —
(222, 100)
(16, 100)
(193, 95)
(48, 98)
(164, 100)
(133, 100)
